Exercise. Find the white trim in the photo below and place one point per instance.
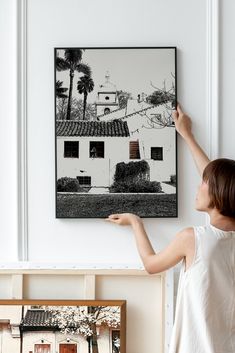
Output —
(212, 97)
(22, 266)
(22, 197)
(212, 83)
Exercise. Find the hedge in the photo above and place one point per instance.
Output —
(144, 186)
(67, 184)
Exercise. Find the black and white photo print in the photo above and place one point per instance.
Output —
(115, 138)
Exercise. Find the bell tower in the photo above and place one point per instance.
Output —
(107, 99)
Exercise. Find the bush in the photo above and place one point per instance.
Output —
(145, 186)
(132, 170)
(66, 184)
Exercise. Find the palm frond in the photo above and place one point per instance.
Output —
(73, 56)
(84, 68)
(60, 90)
(61, 64)
(85, 84)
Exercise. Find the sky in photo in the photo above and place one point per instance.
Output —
(130, 70)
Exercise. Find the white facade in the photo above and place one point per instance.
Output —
(101, 170)
(141, 118)
(116, 149)
(33, 339)
(151, 135)
(56, 339)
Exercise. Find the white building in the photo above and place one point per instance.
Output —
(41, 335)
(25, 329)
(153, 141)
(90, 150)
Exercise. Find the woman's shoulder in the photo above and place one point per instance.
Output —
(188, 236)
(191, 234)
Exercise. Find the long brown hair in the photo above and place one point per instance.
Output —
(220, 175)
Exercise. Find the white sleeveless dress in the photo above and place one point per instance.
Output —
(205, 306)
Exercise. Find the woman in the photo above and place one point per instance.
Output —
(205, 308)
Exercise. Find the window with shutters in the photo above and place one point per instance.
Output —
(71, 149)
(96, 149)
(134, 150)
(157, 153)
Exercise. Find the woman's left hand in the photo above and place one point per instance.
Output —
(124, 219)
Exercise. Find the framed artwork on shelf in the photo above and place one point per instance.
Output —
(63, 326)
(115, 139)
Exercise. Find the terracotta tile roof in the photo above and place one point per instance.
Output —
(114, 128)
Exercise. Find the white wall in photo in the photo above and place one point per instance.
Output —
(100, 170)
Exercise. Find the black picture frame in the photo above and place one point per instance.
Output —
(70, 204)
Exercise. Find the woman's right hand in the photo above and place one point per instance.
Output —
(182, 122)
(124, 219)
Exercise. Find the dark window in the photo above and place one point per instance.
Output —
(134, 150)
(107, 98)
(116, 341)
(106, 110)
(84, 180)
(96, 149)
(71, 149)
(157, 153)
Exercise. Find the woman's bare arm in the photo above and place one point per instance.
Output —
(155, 262)
(183, 126)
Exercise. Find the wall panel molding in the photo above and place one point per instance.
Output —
(212, 83)
(22, 166)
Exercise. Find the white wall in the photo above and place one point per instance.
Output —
(227, 79)
(73, 238)
(101, 23)
(8, 132)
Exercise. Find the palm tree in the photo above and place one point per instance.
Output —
(72, 61)
(84, 86)
(59, 90)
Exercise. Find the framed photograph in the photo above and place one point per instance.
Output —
(115, 139)
(62, 326)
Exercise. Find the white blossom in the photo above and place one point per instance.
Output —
(81, 319)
